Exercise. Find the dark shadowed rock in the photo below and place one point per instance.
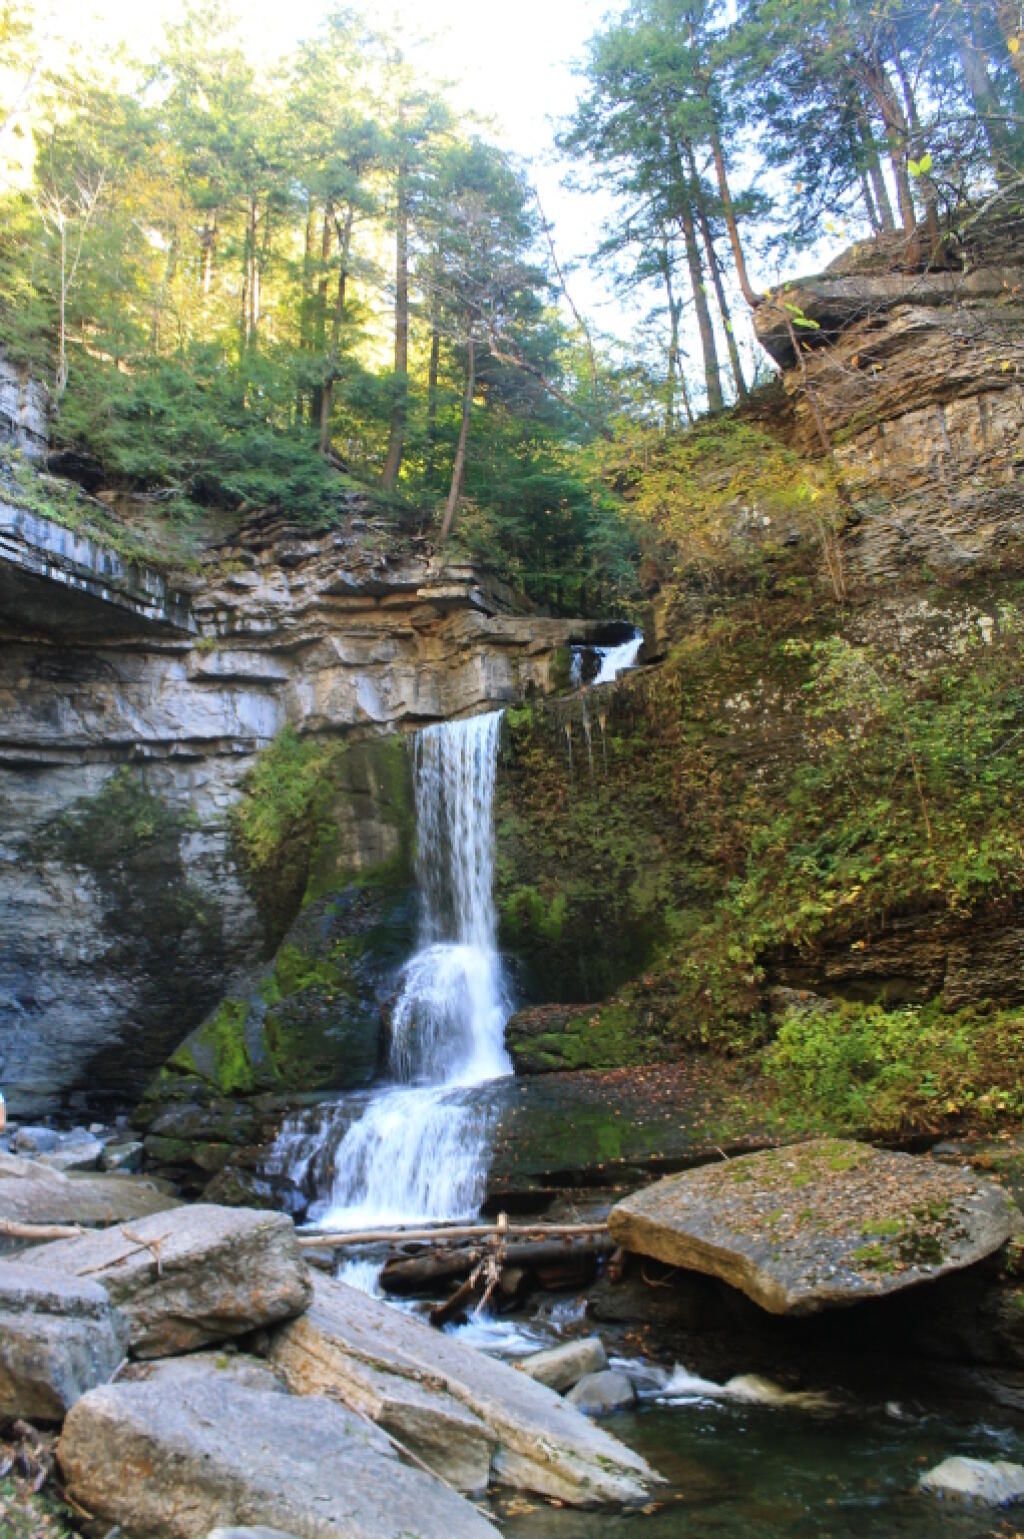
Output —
(59, 1338)
(190, 1277)
(190, 1449)
(817, 1225)
(539, 1443)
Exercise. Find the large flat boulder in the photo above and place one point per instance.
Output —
(33, 1193)
(536, 1441)
(190, 1277)
(817, 1225)
(188, 1449)
(59, 1337)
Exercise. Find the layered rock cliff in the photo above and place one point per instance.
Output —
(133, 703)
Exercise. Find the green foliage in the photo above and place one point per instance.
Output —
(860, 1066)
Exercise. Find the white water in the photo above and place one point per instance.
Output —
(611, 661)
(419, 1151)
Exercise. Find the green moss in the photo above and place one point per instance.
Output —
(218, 1050)
(874, 1258)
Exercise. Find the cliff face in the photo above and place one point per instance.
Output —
(132, 707)
(799, 836)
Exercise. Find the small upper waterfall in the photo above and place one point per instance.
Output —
(419, 1149)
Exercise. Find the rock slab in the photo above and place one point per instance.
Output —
(33, 1193)
(563, 1366)
(817, 1225)
(537, 1441)
(997, 1483)
(598, 1394)
(186, 1451)
(191, 1277)
(59, 1337)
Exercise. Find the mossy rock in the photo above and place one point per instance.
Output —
(544, 1039)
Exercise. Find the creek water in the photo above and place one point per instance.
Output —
(419, 1149)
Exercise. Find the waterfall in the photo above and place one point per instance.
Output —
(419, 1150)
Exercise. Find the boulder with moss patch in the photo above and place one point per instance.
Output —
(818, 1225)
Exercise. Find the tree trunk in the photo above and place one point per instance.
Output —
(974, 63)
(433, 370)
(897, 136)
(460, 452)
(712, 377)
(401, 381)
(746, 287)
(344, 236)
(319, 302)
(673, 343)
(927, 186)
(723, 307)
(875, 173)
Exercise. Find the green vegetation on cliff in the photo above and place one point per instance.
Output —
(794, 798)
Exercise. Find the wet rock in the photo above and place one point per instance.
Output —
(997, 1483)
(59, 1337)
(817, 1225)
(249, 1531)
(190, 1449)
(78, 1154)
(190, 1277)
(598, 1394)
(562, 1367)
(540, 1443)
(33, 1193)
(31, 1140)
(123, 1157)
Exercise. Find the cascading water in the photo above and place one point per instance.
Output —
(419, 1149)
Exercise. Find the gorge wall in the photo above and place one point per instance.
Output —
(132, 706)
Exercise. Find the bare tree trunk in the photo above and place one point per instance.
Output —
(344, 236)
(712, 376)
(433, 369)
(319, 328)
(723, 306)
(673, 344)
(399, 406)
(874, 166)
(897, 135)
(974, 63)
(746, 287)
(460, 452)
(931, 208)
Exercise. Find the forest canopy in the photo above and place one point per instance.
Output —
(252, 290)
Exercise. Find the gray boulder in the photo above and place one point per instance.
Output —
(190, 1449)
(77, 1154)
(123, 1157)
(190, 1277)
(32, 1140)
(817, 1225)
(249, 1531)
(598, 1394)
(997, 1483)
(59, 1337)
(33, 1193)
(563, 1366)
(538, 1442)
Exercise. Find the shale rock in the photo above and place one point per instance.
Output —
(562, 1367)
(997, 1483)
(817, 1225)
(197, 1275)
(538, 1442)
(59, 1338)
(33, 1193)
(190, 1449)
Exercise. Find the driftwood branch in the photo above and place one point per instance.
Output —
(12, 1230)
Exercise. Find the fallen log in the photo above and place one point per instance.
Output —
(547, 1259)
(339, 1239)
